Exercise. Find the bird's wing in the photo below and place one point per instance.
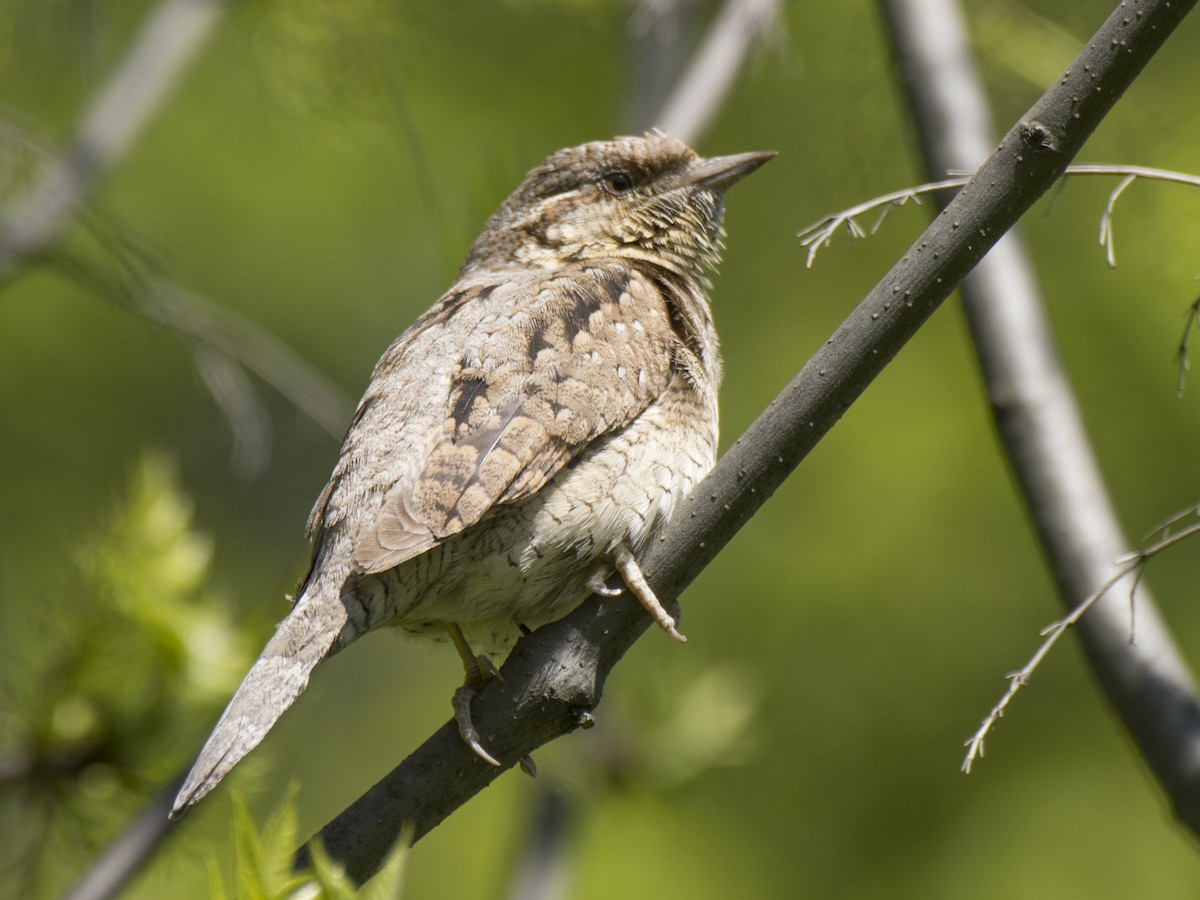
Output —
(580, 354)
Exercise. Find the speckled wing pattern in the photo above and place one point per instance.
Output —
(546, 366)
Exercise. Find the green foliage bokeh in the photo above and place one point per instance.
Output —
(321, 171)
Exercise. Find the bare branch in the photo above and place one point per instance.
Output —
(231, 389)
(33, 222)
(1163, 529)
(541, 871)
(1038, 421)
(818, 235)
(254, 347)
(555, 677)
(708, 77)
(230, 334)
(1134, 566)
(129, 852)
(1107, 236)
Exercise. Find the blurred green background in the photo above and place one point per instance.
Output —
(321, 172)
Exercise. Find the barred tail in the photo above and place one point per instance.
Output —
(301, 641)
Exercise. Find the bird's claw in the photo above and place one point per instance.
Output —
(597, 584)
(466, 728)
(487, 670)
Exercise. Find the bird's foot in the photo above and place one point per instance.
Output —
(478, 676)
(631, 572)
(466, 728)
(480, 670)
(597, 584)
(487, 670)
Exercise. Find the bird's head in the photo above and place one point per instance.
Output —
(648, 198)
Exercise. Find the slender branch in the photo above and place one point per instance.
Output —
(657, 32)
(709, 75)
(1108, 238)
(1132, 565)
(542, 868)
(33, 223)
(1136, 172)
(129, 852)
(555, 677)
(1181, 351)
(234, 393)
(819, 234)
(1037, 418)
(1163, 529)
(254, 347)
(225, 331)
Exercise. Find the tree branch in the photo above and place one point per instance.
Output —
(33, 223)
(554, 677)
(1039, 423)
(819, 234)
(133, 847)
(1132, 565)
(709, 75)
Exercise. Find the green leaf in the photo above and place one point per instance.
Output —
(334, 883)
(388, 883)
(249, 881)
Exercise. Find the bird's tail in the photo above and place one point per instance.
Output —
(301, 641)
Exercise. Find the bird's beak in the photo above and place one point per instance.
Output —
(721, 172)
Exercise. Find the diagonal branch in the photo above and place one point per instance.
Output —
(554, 677)
(709, 75)
(1039, 423)
(33, 222)
(216, 329)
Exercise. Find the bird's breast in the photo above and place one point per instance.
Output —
(528, 563)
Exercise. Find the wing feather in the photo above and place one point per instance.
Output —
(577, 355)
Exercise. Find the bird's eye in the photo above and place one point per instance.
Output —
(617, 182)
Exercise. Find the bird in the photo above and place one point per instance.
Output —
(525, 438)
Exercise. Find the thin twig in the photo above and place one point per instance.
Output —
(821, 232)
(1181, 352)
(1163, 529)
(1148, 684)
(227, 332)
(1108, 238)
(1131, 565)
(234, 393)
(131, 849)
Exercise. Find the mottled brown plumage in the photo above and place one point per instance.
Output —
(526, 436)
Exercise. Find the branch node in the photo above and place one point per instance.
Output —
(1038, 136)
